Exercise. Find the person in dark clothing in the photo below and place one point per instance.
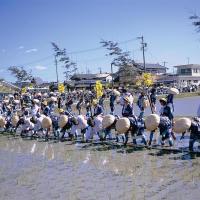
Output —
(79, 106)
(127, 110)
(194, 132)
(112, 102)
(98, 110)
(170, 101)
(166, 111)
(153, 99)
(101, 100)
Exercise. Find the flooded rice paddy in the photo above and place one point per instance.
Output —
(31, 169)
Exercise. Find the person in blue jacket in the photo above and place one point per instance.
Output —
(98, 109)
(112, 103)
(127, 110)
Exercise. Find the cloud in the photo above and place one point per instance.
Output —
(31, 50)
(21, 47)
(3, 50)
(40, 68)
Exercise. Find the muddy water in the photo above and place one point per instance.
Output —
(41, 170)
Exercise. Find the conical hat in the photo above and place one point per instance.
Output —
(152, 122)
(15, 119)
(181, 125)
(108, 120)
(116, 93)
(63, 121)
(173, 91)
(36, 101)
(2, 121)
(122, 125)
(46, 122)
(54, 99)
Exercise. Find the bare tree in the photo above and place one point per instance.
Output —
(127, 68)
(20, 73)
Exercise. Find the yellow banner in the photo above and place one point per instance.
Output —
(61, 88)
(99, 89)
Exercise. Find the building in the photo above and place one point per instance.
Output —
(188, 75)
(89, 80)
(156, 69)
(166, 79)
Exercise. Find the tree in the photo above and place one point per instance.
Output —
(127, 68)
(196, 21)
(62, 57)
(20, 73)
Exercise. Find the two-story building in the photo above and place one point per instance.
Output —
(188, 75)
(155, 69)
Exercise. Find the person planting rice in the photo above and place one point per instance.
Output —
(194, 132)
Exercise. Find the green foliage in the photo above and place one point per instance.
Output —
(65, 61)
(20, 73)
(196, 21)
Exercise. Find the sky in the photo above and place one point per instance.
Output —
(29, 26)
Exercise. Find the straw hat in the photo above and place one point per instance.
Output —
(116, 93)
(181, 125)
(163, 99)
(2, 122)
(94, 102)
(63, 121)
(122, 125)
(173, 91)
(107, 121)
(127, 99)
(46, 122)
(15, 120)
(152, 122)
(44, 103)
(45, 95)
(54, 99)
(36, 101)
(61, 110)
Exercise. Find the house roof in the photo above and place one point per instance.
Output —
(89, 76)
(188, 66)
(152, 65)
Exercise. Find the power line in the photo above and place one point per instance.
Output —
(75, 52)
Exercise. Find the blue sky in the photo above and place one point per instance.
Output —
(28, 27)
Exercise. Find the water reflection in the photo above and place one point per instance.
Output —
(124, 173)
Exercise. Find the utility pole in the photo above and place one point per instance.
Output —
(56, 63)
(188, 59)
(144, 44)
(164, 63)
(100, 71)
(111, 65)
